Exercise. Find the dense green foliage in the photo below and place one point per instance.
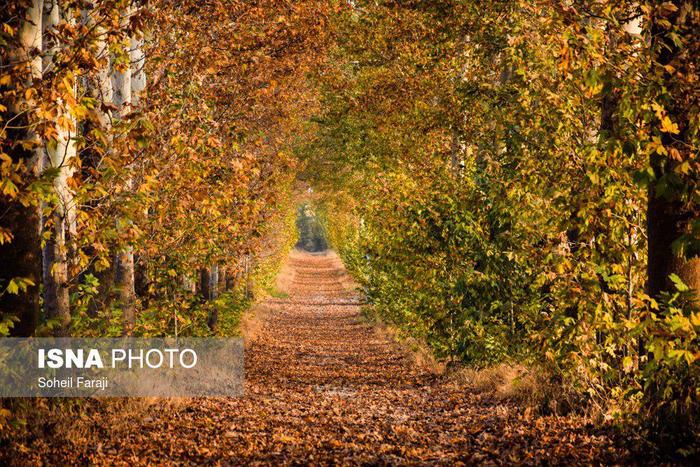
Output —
(489, 169)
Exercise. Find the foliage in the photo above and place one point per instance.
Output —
(493, 173)
(489, 165)
(196, 172)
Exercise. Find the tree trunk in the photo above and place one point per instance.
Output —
(55, 275)
(141, 280)
(204, 282)
(121, 87)
(99, 87)
(21, 257)
(60, 155)
(230, 280)
(214, 286)
(223, 272)
(213, 282)
(138, 72)
(125, 283)
(668, 216)
(248, 278)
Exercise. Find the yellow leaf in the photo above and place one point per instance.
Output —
(675, 155)
(695, 319)
(68, 84)
(6, 160)
(5, 236)
(667, 126)
(12, 287)
(627, 364)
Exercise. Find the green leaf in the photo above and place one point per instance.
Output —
(678, 283)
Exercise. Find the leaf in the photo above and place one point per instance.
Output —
(678, 283)
(667, 126)
(18, 284)
(627, 364)
(667, 8)
(13, 287)
(9, 188)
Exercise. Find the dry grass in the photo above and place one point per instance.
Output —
(528, 387)
(253, 321)
(504, 382)
(285, 277)
(417, 352)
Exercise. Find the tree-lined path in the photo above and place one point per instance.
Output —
(322, 385)
(515, 186)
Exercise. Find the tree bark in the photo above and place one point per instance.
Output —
(125, 283)
(215, 279)
(230, 280)
(60, 155)
(121, 87)
(223, 272)
(204, 282)
(668, 216)
(248, 279)
(21, 257)
(141, 280)
(213, 282)
(99, 87)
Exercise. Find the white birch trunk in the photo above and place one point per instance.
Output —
(21, 258)
(101, 87)
(122, 97)
(30, 36)
(138, 72)
(60, 155)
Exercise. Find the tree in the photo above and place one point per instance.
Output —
(61, 154)
(20, 252)
(673, 212)
(123, 99)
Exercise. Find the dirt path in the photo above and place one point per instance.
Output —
(323, 387)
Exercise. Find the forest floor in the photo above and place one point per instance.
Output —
(324, 387)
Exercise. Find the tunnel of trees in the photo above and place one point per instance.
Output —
(507, 181)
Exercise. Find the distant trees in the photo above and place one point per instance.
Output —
(311, 235)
